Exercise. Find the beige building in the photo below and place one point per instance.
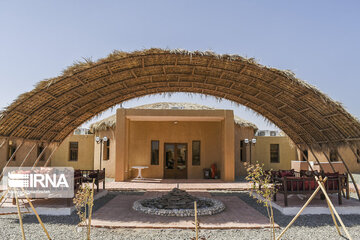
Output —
(275, 152)
(23, 153)
(156, 134)
(173, 140)
(75, 151)
(334, 156)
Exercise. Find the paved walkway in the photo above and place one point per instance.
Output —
(186, 184)
(316, 206)
(118, 213)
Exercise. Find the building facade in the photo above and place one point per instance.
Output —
(154, 135)
(173, 140)
(76, 151)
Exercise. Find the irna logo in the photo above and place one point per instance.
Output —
(41, 182)
(36, 180)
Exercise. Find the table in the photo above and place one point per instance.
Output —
(139, 168)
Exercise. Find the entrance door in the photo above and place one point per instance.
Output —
(175, 164)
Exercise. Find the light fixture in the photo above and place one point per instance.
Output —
(250, 142)
(101, 141)
(176, 122)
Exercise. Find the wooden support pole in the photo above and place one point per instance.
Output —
(37, 215)
(351, 176)
(3, 143)
(333, 168)
(27, 155)
(13, 155)
(19, 214)
(3, 196)
(301, 210)
(48, 160)
(39, 157)
(317, 160)
(196, 222)
(306, 158)
(90, 210)
(11, 158)
(328, 159)
(355, 153)
(321, 185)
(357, 159)
(333, 217)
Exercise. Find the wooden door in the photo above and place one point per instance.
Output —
(175, 164)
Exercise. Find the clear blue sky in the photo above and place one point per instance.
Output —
(318, 40)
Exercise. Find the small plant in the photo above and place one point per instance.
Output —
(262, 186)
(84, 202)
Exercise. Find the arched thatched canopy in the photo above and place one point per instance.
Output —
(57, 106)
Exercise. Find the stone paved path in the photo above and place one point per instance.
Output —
(186, 184)
(118, 213)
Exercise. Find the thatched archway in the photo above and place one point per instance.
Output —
(55, 107)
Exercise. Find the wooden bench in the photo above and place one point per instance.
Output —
(307, 185)
(89, 175)
(344, 179)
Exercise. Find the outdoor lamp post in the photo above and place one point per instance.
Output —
(101, 142)
(250, 142)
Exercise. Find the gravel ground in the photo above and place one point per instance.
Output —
(306, 227)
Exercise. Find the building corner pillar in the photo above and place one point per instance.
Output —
(229, 146)
(120, 133)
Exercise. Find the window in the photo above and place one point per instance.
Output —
(333, 156)
(196, 153)
(11, 151)
(39, 151)
(274, 153)
(106, 150)
(242, 151)
(358, 155)
(74, 151)
(155, 152)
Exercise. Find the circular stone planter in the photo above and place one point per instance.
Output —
(155, 206)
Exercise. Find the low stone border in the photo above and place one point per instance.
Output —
(217, 207)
